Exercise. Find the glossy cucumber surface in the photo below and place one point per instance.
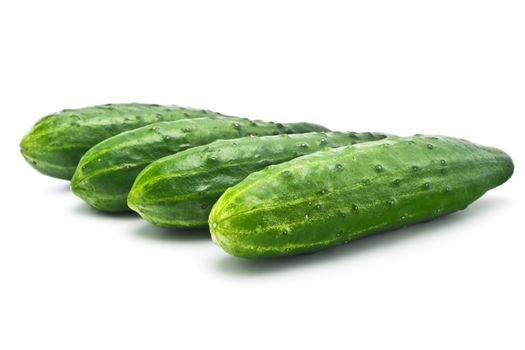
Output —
(107, 171)
(55, 144)
(334, 196)
(179, 190)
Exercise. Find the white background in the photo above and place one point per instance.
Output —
(72, 278)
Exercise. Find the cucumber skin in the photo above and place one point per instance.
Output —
(55, 144)
(331, 197)
(105, 174)
(179, 190)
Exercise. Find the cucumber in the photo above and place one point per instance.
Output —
(56, 142)
(106, 172)
(334, 196)
(179, 190)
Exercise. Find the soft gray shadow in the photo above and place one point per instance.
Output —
(85, 209)
(61, 187)
(234, 266)
(149, 231)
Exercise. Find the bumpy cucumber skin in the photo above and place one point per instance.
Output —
(331, 197)
(55, 144)
(179, 190)
(106, 173)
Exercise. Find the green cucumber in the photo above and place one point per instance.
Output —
(106, 172)
(56, 142)
(334, 196)
(179, 190)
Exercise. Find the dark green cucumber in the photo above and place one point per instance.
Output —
(179, 190)
(106, 172)
(56, 143)
(333, 196)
